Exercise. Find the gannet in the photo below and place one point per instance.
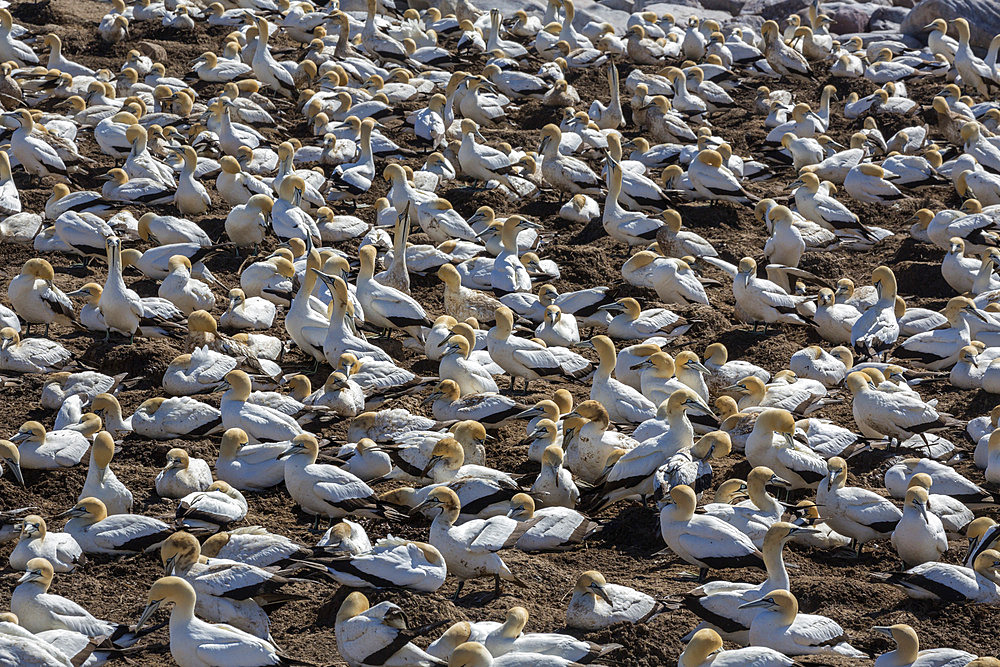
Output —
(596, 604)
(31, 355)
(554, 486)
(259, 422)
(919, 537)
(815, 363)
(866, 182)
(907, 651)
(389, 562)
(726, 372)
(470, 548)
(59, 549)
(38, 610)
(852, 511)
(527, 359)
(772, 444)
(949, 583)
(755, 516)
(216, 507)
(761, 300)
(552, 528)
(254, 546)
(470, 377)
(622, 402)
(21, 647)
(898, 415)
(325, 490)
(877, 329)
(974, 72)
(696, 539)
(35, 298)
(195, 642)
(39, 449)
(717, 603)
(101, 482)
(945, 480)
(778, 625)
(182, 475)
(633, 473)
(705, 650)
(228, 591)
(366, 634)
(253, 313)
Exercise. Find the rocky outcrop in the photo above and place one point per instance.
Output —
(983, 17)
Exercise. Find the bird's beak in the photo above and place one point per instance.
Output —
(30, 575)
(777, 481)
(15, 469)
(802, 530)
(603, 593)
(20, 436)
(756, 603)
(642, 364)
(168, 567)
(789, 439)
(147, 613)
(430, 464)
(700, 367)
(288, 452)
(884, 629)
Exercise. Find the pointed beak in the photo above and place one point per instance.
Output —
(430, 464)
(700, 367)
(777, 481)
(147, 613)
(168, 567)
(884, 629)
(756, 603)
(28, 576)
(15, 469)
(288, 452)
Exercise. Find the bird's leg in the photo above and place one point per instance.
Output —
(511, 384)
(526, 382)
(107, 335)
(27, 328)
(315, 524)
(496, 586)
(46, 334)
(458, 590)
(702, 575)
(330, 522)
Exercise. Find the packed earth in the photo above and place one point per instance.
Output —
(775, 185)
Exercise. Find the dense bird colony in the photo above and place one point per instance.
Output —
(412, 334)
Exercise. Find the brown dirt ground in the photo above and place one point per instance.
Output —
(116, 589)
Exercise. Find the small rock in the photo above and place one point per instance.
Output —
(153, 50)
(983, 17)
(887, 18)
